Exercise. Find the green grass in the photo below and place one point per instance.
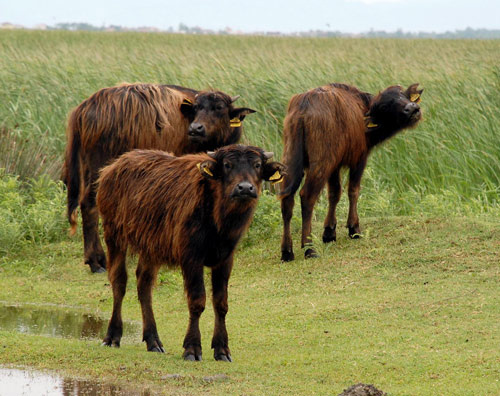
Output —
(413, 308)
(31, 212)
(43, 75)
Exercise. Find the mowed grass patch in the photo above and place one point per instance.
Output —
(413, 308)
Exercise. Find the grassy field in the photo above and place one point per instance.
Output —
(412, 307)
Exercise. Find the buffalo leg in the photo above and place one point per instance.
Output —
(117, 274)
(146, 276)
(220, 278)
(93, 252)
(334, 192)
(287, 204)
(308, 196)
(195, 289)
(355, 175)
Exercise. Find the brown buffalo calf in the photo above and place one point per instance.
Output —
(329, 128)
(188, 211)
(145, 116)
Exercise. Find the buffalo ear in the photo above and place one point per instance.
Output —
(413, 93)
(187, 108)
(240, 113)
(273, 172)
(207, 169)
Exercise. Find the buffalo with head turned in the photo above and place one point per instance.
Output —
(327, 129)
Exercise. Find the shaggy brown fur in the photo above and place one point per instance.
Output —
(328, 128)
(188, 211)
(145, 116)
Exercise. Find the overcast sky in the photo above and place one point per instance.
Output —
(350, 16)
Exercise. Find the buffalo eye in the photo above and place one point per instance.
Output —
(227, 166)
(219, 107)
(383, 106)
(257, 165)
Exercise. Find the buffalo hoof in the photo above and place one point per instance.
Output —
(153, 343)
(111, 343)
(223, 358)
(329, 234)
(192, 357)
(97, 263)
(222, 354)
(192, 353)
(157, 349)
(287, 256)
(310, 253)
(354, 232)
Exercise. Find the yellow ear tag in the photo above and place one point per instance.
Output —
(276, 178)
(415, 97)
(187, 101)
(205, 169)
(370, 124)
(235, 122)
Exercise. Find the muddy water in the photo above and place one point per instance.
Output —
(32, 383)
(60, 322)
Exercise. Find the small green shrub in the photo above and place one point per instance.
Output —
(28, 157)
(30, 211)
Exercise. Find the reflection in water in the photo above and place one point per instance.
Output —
(58, 323)
(28, 383)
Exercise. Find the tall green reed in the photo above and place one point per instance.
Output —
(456, 149)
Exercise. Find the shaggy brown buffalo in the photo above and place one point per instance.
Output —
(187, 211)
(328, 128)
(145, 116)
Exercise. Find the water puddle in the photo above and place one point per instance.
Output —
(27, 383)
(60, 322)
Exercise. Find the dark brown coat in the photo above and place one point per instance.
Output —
(189, 212)
(329, 128)
(145, 116)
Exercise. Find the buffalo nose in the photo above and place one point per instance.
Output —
(246, 188)
(196, 129)
(411, 108)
